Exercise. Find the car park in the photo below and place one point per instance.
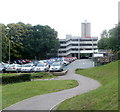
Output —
(31, 66)
(56, 66)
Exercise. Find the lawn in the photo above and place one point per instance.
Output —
(104, 97)
(12, 93)
(7, 74)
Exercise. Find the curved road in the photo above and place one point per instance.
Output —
(48, 101)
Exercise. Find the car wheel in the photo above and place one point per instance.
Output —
(61, 70)
(17, 71)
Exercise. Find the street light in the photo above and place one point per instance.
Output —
(0, 43)
(9, 43)
(9, 51)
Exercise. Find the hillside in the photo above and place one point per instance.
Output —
(103, 98)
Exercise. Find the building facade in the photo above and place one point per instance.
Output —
(76, 46)
(85, 29)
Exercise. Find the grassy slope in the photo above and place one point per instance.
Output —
(13, 93)
(104, 97)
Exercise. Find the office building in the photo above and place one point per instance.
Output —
(76, 46)
(85, 29)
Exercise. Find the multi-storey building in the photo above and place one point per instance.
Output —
(76, 46)
(85, 29)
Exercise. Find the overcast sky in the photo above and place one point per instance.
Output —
(65, 16)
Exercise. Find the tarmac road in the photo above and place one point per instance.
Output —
(49, 101)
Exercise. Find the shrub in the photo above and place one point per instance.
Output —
(16, 78)
(41, 75)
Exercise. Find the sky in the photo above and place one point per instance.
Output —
(65, 16)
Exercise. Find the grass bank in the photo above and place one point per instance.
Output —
(104, 97)
(12, 93)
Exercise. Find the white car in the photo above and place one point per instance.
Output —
(27, 68)
(56, 66)
(13, 68)
(1, 67)
(41, 67)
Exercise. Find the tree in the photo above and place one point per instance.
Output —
(27, 41)
(105, 34)
(44, 41)
(110, 39)
(103, 43)
(114, 38)
(4, 43)
(27, 47)
(16, 34)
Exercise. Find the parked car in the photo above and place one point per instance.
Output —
(41, 67)
(27, 68)
(64, 61)
(5, 66)
(1, 67)
(34, 63)
(21, 61)
(13, 68)
(56, 66)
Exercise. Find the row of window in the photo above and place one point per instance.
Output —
(64, 42)
(77, 45)
(74, 50)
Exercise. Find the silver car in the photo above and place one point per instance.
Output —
(56, 66)
(41, 67)
(27, 68)
(1, 67)
(13, 68)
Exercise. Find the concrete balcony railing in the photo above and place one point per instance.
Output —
(76, 42)
(74, 47)
(82, 51)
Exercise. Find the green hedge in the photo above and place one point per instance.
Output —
(41, 75)
(16, 78)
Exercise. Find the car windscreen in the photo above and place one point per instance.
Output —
(40, 65)
(56, 64)
(26, 65)
(1, 66)
(11, 65)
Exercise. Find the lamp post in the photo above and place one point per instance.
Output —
(9, 51)
(9, 44)
(0, 43)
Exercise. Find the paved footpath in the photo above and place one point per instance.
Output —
(48, 101)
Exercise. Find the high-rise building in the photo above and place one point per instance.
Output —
(85, 29)
(76, 46)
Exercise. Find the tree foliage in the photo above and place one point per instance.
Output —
(110, 39)
(4, 40)
(27, 41)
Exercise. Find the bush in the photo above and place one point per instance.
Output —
(16, 78)
(41, 75)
